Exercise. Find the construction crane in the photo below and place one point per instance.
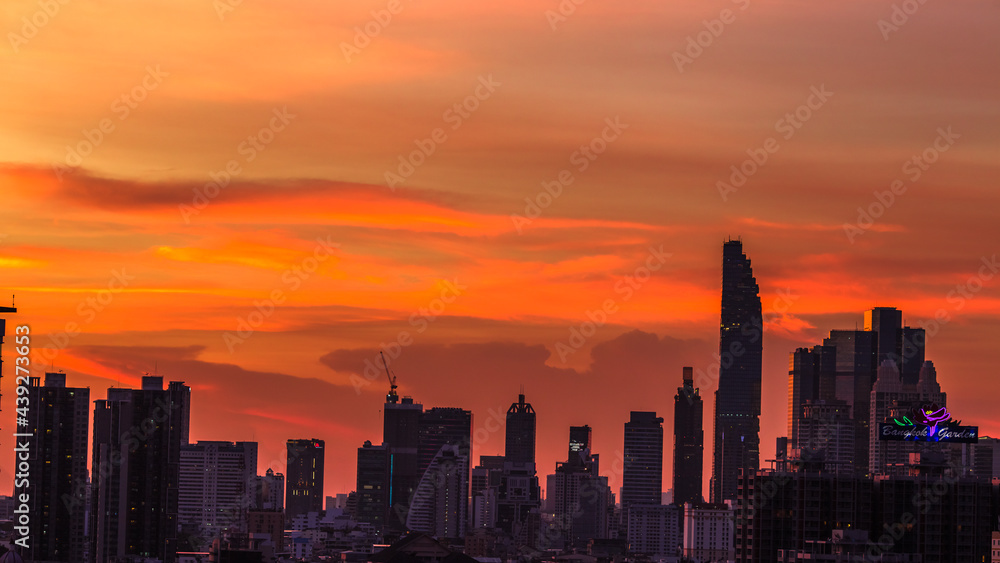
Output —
(391, 397)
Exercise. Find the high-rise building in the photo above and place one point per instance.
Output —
(401, 435)
(519, 503)
(578, 495)
(304, 477)
(826, 431)
(903, 345)
(441, 427)
(812, 376)
(216, 480)
(520, 444)
(856, 353)
(655, 530)
(688, 442)
(785, 509)
(270, 491)
(58, 421)
(374, 477)
(891, 398)
(642, 473)
(440, 502)
(138, 436)
(3, 333)
(707, 533)
(737, 401)
(929, 513)
(579, 440)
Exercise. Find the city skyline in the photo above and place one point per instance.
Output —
(613, 457)
(260, 203)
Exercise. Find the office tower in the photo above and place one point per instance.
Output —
(901, 344)
(578, 495)
(138, 436)
(3, 333)
(826, 431)
(270, 491)
(57, 419)
(304, 477)
(812, 374)
(374, 477)
(519, 502)
(642, 474)
(913, 344)
(654, 530)
(520, 444)
(887, 323)
(441, 499)
(737, 401)
(401, 434)
(216, 480)
(441, 427)
(688, 442)
(579, 440)
(856, 363)
(891, 398)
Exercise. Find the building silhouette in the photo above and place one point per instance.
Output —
(642, 472)
(401, 435)
(374, 478)
(138, 434)
(443, 455)
(519, 446)
(439, 506)
(58, 420)
(901, 344)
(304, 477)
(578, 496)
(215, 478)
(270, 491)
(688, 442)
(737, 401)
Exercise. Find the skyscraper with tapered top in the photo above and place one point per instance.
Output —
(737, 401)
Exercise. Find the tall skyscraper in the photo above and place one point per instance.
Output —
(304, 477)
(518, 493)
(812, 376)
(520, 443)
(688, 442)
(440, 503)
(138, 436)
(401, 435)
(903, 345)
(891, 398)
(372, 489)
(857, 360)
(737, 401)
(440, 427)
(579, 440)
(3, 333)
(58, 420)
(642, 474)
(578, 495)
(215, 479)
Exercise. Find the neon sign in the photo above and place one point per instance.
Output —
(928, 423)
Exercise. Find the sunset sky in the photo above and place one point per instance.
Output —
(243, 175)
